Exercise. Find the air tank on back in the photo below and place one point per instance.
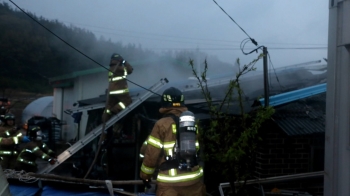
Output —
(187, 137)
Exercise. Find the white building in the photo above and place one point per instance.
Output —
(70, 88)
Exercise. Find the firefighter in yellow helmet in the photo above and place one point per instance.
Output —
(118, 90)
(28, 153)
(175, 177)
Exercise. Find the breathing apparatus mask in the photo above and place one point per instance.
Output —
(39, 135)
(35, 133)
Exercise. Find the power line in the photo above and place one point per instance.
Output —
(170, 36)
(74, 47)
(57, 36)
(278, 48)
(281, 87)
(251, 39)
(152, 34)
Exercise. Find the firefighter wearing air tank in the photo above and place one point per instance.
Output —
(118, 97)
(29, 152)
(174, 138)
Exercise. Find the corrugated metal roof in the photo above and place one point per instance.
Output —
(302, 117)
(290, 96)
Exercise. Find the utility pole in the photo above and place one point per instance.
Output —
(266, 79)
(337, 136)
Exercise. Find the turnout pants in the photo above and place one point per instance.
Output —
(116, 104)
(197, 189)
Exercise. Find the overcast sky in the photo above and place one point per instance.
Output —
(189, 24)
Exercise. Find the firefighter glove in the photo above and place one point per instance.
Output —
(52, 161)
(147, 183)
(25, 139)
(145, 176)
(122, 62)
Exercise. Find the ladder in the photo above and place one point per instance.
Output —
(85, 108)
(98, 130)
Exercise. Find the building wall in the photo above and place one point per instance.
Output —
(279, 154)
(337, 153)
(57, 102)
(92, 85)
(84, 87)
(68, 130)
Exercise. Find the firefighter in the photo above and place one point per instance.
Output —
(171, 179)
(9, 153)
(118, 97)
(7, 141)
(9, 127)
(4, 108)
(8, 150)
(143, 149)
(29, 152)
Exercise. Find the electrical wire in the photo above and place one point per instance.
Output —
(76, 48)
(251, 39)
(150, 34)
(171, 36)
(274, 70)
(306, 48)
(244, 42)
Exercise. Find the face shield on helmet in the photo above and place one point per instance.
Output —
(39, 135)
(35, 133)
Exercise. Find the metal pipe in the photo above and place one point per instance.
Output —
(274, 179)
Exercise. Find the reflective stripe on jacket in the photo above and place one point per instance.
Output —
(7, 131)
(8, 142)
(30, 151)
(163, 138)
(117, 78)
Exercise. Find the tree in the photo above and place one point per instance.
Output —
(230, 140)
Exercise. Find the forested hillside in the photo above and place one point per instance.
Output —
(30, 54)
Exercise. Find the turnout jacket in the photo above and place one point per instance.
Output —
(116, 77)
(30, 151)
(160, 144)
(8, 131)
(9, 141)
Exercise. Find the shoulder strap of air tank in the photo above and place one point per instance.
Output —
(175, 119)
(173, 163)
